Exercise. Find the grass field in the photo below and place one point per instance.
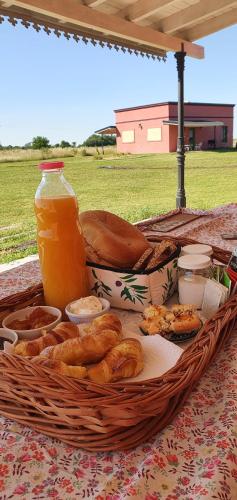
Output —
(138, 186)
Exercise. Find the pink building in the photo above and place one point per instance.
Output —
(153, 128)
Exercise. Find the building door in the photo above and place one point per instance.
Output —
(192, 138)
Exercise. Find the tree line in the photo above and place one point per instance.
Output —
(41, 142)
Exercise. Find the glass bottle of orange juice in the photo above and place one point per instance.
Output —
(59, 237)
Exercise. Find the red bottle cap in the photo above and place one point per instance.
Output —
(50, 165)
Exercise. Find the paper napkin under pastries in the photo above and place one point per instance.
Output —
(159, 356)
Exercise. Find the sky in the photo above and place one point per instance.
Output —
(65, 91)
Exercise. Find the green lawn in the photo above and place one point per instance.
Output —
(137, 187)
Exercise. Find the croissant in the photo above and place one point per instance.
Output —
(124, 360)
(59, 334)
(88, 349)
(61, 367)
(106, 321)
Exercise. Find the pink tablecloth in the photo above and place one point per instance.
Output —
(194, 458)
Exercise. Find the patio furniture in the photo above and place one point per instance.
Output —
(198, 147)
(211, 144)
(198, 446)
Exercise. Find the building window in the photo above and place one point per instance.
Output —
(225, 134)
(154, 134)
(128, 136)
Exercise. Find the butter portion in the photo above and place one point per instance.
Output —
(86, 305)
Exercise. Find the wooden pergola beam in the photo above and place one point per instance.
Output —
(194, 14)
(73, 12)
(211, 26)
(142, 9)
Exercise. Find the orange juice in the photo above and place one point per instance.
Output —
(61, 250)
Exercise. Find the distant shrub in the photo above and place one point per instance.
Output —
(40, 142)
(64, 144)
(99, 140)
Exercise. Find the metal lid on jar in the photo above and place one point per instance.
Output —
(197, 249)
(192, 262)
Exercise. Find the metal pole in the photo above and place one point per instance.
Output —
(180, 197)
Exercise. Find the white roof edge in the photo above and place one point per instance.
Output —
(193, 124)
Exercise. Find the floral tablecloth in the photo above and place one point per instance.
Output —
(193, 458)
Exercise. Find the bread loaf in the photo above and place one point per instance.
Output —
(110, 239)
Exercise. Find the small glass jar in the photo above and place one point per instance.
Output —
(194, 270)
(197, 249)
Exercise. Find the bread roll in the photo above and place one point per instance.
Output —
(108, 321)
(156, 325)
(112, 239)
(63, 331)
(88, 349)
(185, 319)
(123, 361)
(179, 319)
(61, 368)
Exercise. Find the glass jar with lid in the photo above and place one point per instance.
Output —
(193, 273)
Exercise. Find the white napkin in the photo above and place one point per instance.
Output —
(159, 356)
(214, 295)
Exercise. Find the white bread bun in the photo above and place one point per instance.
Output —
(113, 239)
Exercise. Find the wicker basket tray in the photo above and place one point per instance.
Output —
(111, 417)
